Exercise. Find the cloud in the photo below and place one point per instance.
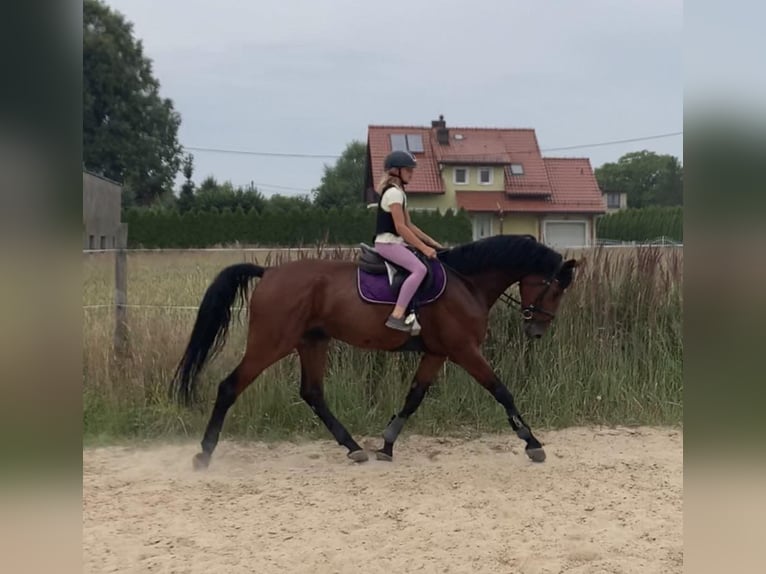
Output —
(308, 77)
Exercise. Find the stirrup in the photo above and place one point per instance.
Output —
(412, 320)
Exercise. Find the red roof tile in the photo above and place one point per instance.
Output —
(573, 184)
(472, 146)
(547, 184)
(426, 178)
(495, 200)
(494, 145)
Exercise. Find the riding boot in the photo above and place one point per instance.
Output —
(398, 324)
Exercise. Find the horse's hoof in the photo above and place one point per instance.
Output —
(380, 455)
(536, 454)
(358, 456)
(201, 461)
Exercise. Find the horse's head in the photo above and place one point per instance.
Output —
(541, 296)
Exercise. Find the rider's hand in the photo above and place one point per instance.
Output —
(429, 252)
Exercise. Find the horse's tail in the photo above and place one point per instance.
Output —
(212, 325)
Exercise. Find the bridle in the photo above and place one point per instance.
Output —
(529, 311)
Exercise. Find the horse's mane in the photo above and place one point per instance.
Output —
(502, 252)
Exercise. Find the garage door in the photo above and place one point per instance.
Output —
(565, 233)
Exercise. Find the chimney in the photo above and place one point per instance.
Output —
(442, 133)
(440, 123)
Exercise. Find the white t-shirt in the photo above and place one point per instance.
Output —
(391, 195)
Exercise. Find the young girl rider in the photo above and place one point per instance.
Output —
(394, 231)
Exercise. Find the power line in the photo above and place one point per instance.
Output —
(615, 142)
(263, 153)
(335, 156)
(274, 186)
(578, 146)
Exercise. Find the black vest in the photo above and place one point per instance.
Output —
(385, 221)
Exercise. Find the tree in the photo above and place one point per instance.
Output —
(214, 196)
(186, 197)
(130, 133)
(648, 178)
(288, 202)
(343, 183)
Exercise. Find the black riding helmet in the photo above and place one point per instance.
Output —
(399, 159)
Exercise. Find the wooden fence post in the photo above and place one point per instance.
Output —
(121, 292)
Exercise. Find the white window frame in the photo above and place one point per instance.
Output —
(491, 175)
(510, 169)
(615, 197)
(487, 217)
(467, 176)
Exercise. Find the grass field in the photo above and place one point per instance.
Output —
(613, 356)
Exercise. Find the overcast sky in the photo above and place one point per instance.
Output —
(307, 77)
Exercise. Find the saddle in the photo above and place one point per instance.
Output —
(370, 261)
(379, 281)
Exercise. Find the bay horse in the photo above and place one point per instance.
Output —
(302, 305)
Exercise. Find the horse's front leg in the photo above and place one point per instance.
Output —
(476, 365)
(424, 376)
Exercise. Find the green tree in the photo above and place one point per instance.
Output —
(343, 184)
(648, 178)
(214, 196)
(287, 202)
(186, 197)
(130, 133)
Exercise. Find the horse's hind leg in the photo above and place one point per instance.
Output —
(230, 388)
(313, 354)
(429, 366)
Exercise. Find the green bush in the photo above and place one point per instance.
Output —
(289, 227)
(642, 224)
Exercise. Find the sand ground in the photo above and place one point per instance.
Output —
(606, 500)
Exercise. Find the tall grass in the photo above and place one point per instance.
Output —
(613, 356)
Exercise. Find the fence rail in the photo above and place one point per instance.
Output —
(657, 242)
(136, 306)
(119, 303)
(227, 249)
(663, 241)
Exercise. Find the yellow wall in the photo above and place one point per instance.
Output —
(441, 201)
(448, 200)
(517, 223)
(448, 177)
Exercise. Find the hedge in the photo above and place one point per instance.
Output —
(642, 224)
(156, 229)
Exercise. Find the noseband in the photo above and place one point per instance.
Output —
(529, 311)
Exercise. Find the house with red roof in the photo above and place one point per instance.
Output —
(499, 176)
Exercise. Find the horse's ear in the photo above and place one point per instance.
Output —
(566, 275)
(572, 263)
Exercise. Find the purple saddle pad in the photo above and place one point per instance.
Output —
(376, 289)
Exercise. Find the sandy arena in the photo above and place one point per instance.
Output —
(606, 501)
